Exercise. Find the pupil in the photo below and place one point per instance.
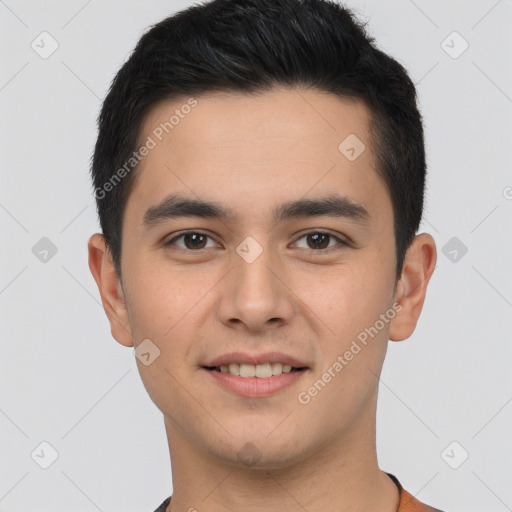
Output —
(316, 241)
(195, 237)
(321, 239)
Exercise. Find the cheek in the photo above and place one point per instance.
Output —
(161, 308)
(169, 305)
(354, 346)
(349, 297)
(351, 306)
(156, 300)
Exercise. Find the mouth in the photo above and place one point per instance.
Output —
(255, 376)
(260, 371)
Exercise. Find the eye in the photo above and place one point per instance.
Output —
(192, 240)
(319, 240)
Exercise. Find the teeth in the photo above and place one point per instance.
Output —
(247, 370)
(262, 371)
(234, 369)
(277, 368)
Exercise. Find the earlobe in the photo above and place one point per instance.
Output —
(109, 286)
(419, 264)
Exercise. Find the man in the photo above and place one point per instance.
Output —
(259, 175)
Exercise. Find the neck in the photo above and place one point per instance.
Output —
(343, 476)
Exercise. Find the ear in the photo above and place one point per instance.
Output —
(109, 286)
(419, 264)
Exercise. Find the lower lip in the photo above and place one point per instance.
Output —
(254, 386)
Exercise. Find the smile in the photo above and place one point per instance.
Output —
(261, 371)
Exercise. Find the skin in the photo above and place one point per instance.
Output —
(252, 153)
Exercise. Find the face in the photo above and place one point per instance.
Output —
(292, 263)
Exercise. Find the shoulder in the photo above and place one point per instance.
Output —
(164, 505)
(408, 503)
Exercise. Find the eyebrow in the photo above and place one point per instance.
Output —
(333, 205)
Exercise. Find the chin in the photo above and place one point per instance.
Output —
(259, 453)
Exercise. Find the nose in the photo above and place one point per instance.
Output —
(255, 295)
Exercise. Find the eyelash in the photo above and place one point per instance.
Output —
(341, 243)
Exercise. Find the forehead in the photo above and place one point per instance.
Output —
(243, 149)
(227, 124)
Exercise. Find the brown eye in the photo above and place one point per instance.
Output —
(191, 241)
(320, 240)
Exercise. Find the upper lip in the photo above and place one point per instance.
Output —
(245, 358)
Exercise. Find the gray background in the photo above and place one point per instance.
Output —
(65, 381)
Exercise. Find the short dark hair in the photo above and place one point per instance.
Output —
(252, 46)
